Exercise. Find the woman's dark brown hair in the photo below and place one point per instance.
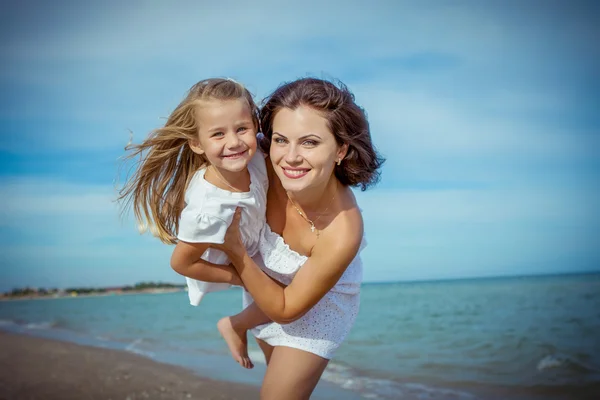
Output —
(346, 120)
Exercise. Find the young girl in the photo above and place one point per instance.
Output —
(191, 176)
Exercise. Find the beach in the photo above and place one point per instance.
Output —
(520, 338)
(38, 368)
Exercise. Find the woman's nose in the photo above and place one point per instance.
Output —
(292, 155)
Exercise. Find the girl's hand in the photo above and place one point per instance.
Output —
(233, 246)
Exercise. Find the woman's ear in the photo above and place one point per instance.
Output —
(342, 151)
(195, 146)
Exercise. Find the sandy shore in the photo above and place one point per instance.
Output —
(34, 368)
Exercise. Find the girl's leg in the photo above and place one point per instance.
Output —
(234, 328)
(291, 374)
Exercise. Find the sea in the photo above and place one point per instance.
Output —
(495, 338)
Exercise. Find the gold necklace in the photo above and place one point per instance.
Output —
(218, 175)
(313, 228)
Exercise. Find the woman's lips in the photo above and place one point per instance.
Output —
(295, 173)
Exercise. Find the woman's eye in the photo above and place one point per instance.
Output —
(310, 143)
(279, 140)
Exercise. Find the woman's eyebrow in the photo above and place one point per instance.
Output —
(301, 137)
(310, 135)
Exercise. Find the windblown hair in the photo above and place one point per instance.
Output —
(166, 163)
(345, 119)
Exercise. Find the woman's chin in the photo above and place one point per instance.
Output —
(294, 186)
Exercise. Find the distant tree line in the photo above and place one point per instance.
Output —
(42, 292)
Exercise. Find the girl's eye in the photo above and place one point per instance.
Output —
(242, 129)
(217, 134)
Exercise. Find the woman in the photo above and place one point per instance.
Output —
(319, 145)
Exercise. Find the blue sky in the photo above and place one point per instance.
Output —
(487, 113)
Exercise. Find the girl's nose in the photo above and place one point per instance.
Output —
(233, 141)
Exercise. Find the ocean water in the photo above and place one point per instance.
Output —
(503, 338)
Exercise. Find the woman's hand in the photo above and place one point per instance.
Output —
(233, 246)
(236, 280)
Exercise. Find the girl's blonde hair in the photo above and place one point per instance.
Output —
(166, 163)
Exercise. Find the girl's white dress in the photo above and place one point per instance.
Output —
(208, 213)
(324, 327)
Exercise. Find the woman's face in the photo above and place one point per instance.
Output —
(303, 149)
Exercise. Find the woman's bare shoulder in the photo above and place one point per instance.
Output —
(345, 231)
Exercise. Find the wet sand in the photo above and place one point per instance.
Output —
(35, 368)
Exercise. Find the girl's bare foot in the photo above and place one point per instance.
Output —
(236, 341)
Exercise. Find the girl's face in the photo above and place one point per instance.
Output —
(226, 134)
(303, 149)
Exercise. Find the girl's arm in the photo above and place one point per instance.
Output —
(330, 257)
(186, 261)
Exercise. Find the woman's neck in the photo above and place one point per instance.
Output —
(315, 199)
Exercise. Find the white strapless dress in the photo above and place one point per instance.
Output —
(324, 327)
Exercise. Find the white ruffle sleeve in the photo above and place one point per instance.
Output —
(197, 227)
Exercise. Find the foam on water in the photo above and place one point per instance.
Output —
(132, 348)
(384, 389)
(550, 361)
(41, 325)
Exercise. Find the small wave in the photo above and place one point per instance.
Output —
(144, 353)
(29, 325)
(131, 347)
(550, 361)
(553, 361)
(41, 325)
(381, 389)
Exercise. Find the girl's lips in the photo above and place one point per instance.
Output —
(295, 173)
(236, 155)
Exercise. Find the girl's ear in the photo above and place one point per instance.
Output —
(195, 146)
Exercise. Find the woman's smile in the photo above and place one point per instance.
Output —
(295, 173)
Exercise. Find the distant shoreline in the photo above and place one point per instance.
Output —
(117, 291)
(96, 294)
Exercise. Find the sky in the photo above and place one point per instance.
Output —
(487, 113)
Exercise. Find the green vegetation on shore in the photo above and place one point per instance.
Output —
(76, 291)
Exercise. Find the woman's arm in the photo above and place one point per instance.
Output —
(330, 257)
(186, 261)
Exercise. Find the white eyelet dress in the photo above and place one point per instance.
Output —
(208, 213)
(324, 327)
